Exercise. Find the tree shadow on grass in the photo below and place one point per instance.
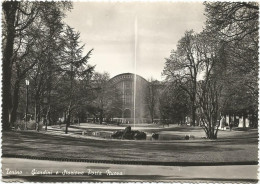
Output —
(46, 145)
(33, 138)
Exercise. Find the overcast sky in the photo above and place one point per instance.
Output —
(109, 28)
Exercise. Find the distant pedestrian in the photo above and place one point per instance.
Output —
(59, 121)
(222, 123)
(230, 125)
(44, 121)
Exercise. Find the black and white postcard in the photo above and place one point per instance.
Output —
(130, 91)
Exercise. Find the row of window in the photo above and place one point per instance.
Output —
(127, 100)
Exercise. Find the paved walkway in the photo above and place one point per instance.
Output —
(25, 170)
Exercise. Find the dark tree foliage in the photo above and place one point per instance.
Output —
(233, 20)
(236, 24)
(226, 58)
(106, 100)
(152, 95)
(19, 36)
(183, 67)
(174, 104)
(74, 68)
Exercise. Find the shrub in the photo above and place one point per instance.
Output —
(117, 134)
(139, 135)
(129, 134)
(155, 136)
(187, 137)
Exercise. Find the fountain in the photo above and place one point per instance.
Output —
(135, 66)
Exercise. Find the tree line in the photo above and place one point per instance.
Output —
(217, 69)
(40, 47)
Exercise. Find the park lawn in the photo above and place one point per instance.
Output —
(237, 149)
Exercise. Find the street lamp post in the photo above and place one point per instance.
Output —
(26, 110)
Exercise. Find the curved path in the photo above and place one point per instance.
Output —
(54, 171)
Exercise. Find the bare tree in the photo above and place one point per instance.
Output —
(183, 67)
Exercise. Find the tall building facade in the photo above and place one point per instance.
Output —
(132, 90)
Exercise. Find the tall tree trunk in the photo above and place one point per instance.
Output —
(15, 102)
(9, 9)
(194, 98)
(68, 118)
(64, 117)
(244, 120)
(193, 113)
(37, 113)
(101, 117)
(255, 119)
(67, 123)
(152, 117)
(47, 118)
(70, 97)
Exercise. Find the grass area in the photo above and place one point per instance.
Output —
(234, 146)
